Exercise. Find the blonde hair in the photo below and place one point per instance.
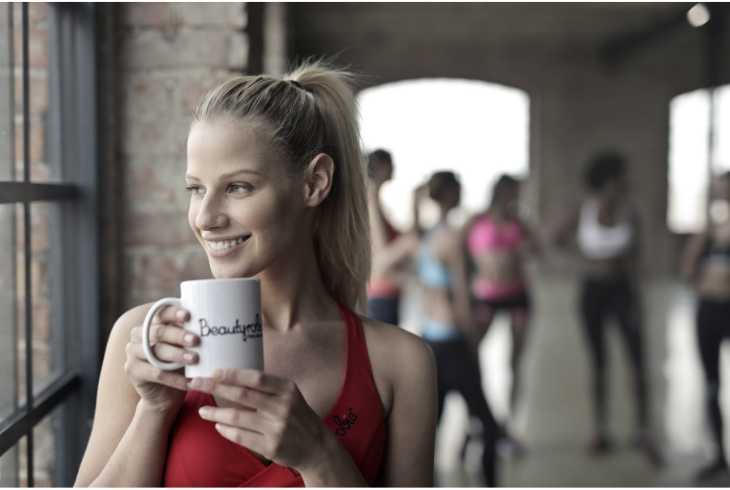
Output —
(312, 110)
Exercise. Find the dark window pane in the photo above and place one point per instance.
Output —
(45, 444)
(11, 307)
(6, 94)
(47, 337)
(20, 303)
(10, 466)
(38, 59)
(17, 119)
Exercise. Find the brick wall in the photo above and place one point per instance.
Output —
(170, 55)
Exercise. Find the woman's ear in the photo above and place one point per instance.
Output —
(318, 179)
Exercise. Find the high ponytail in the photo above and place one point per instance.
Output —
(312, 110)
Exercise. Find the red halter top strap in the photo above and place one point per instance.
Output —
(199, 456)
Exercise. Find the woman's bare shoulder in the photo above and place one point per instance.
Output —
(131, 318)
(389, 338)
(396, 354)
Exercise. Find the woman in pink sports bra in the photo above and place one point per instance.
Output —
(277, 192)
(498, 241)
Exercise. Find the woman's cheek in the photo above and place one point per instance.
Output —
(192, 213)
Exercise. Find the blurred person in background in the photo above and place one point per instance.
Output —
(606, 230)
(498, 242)
(448, 326)
(391, 250)
(706, 265)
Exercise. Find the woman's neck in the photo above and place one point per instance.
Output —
(498, 213)
(292, 291)
(443, 214)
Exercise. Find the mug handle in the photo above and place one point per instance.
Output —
(146, 325)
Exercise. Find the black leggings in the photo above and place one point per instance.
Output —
(458, 370)
(602, 299)
(713, 326)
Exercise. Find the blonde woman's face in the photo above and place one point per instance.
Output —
(245, 210)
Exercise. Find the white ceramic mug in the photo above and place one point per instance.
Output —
(226, 315)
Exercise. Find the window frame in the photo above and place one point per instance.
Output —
(74, 273)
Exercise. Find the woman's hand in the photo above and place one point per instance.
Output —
(161, 390)
(269, 416)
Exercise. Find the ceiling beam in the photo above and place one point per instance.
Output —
(619, 48)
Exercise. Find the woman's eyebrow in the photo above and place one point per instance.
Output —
(231, 174)
(241, 171)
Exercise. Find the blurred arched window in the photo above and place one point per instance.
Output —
(693, 158)
(477, 129)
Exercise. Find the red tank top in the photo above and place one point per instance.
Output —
(200, 457)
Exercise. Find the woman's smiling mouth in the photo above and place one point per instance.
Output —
(223, 247)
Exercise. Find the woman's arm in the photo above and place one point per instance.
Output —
(128, 439)
(565, 231)
(533, 243)
(388, 255)
(455, 261)
(419, 193)
(633, 254)
(409, 457)
(377, 227)
(691, 256)
(397, 251)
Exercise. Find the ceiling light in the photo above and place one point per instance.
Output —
(698, 15)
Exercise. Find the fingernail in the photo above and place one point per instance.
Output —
(182, 315)
(189, 339)
(189, 357)
(204, 411)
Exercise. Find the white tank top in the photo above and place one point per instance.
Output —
(597, 241)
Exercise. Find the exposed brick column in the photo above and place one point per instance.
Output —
(170, 55)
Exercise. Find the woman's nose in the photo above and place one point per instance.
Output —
(210, 216)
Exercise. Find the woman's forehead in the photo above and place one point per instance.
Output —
(230, 144)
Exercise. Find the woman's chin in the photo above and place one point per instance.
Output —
(230, 272)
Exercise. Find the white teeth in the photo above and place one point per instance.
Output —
(219, 245)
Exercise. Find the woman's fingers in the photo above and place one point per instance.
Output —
(252, 440)
(240, 418)
(246, 428)
(170, 334)
(253, 378)
(241, 395)
(143, 371)
(163, 352)
(173, 314)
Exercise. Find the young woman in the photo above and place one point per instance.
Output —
(498, 241)
(277, 192)
(606, 230)
(706, 263)
(391, 250)
(448, 326)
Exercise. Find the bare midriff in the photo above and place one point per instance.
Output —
(606, 268)
(714, 280)
(499, 271)
(437, 305)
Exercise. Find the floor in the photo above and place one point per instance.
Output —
(553, 419)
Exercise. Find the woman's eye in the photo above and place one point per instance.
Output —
(240, 188)
(195, 189)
